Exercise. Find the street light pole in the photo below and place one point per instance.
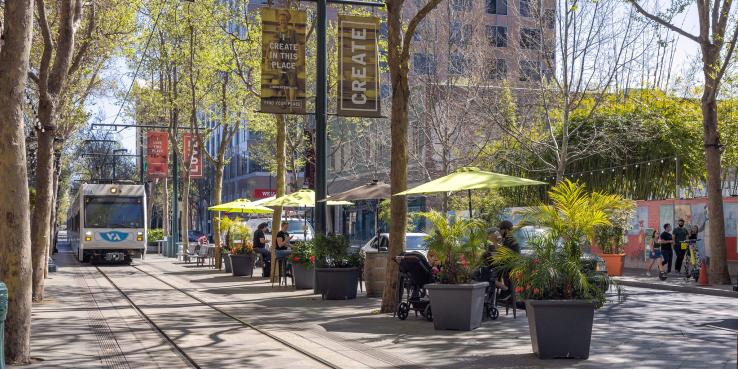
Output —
(321, 139)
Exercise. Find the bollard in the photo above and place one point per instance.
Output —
(3, 314)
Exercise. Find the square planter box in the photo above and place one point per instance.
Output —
(457, 306)
(615, 263)
(337, 283)
(560, 328)
(304, 276)
(243, 265)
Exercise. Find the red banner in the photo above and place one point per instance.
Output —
(263, 194)
(196, 164)
(157, 154)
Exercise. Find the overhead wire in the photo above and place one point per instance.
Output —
(138, 66)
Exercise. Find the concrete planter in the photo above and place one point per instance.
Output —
(243, 265)
(374, 273)
(615, 263)
(227, 263)
(337, 283)
(304, 276)
(560, 328)
(457, 306)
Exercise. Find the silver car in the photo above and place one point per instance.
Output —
(413, 242)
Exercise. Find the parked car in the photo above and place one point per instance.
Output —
(299, 229)
(413, 242)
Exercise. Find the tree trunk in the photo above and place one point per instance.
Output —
(398, 169)
(53, 218)
(218, 194)
(40, 227)
(15, 231)
(281, 164)
(718, 262)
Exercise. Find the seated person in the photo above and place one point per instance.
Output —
(283, 249)
(381, 243)
(260, 247)
(506, 233)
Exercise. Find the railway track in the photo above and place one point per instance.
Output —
(192, 362)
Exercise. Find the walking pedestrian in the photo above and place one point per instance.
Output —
(680, 235)
(654, 254)
(666, 240)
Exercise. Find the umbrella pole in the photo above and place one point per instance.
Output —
(468, 193)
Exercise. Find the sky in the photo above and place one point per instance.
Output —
(109, 104)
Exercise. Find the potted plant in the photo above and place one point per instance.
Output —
(456, 300)
(560, 293)
(225, 228)
(336, 271)
(303, 265)
(242, 254)
(611, 238)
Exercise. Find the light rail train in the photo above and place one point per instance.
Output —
(107, 222)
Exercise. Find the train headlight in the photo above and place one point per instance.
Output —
(88, 236)
(139, 236)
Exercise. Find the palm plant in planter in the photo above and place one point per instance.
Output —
(242, 254)
(456, 300)
(303, 264)
(336, 271)
(611, 238)
(560, 293)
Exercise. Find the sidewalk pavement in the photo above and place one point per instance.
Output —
(629, 333)
(675, 282)
(97, 328)
(84, 323)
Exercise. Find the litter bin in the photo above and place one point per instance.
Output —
(3, 314)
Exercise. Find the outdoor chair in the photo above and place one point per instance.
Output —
(191, 253)
(202, 254)
(282, 272)
(180, 252)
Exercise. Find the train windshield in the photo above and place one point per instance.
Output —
(113, 212)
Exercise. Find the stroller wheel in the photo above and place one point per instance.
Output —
(662, 276)
(403, 310)
(493, 313)
(428, 313)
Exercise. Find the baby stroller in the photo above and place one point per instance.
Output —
(488, 274)
(414, 273)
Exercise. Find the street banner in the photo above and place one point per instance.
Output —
(196, 163)
(157, 154)
(358, 55)
(283, 61)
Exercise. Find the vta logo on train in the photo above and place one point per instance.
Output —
(114, 236)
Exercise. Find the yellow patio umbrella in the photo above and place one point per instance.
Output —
(304, 198)
(241, 206)
(467, 179)
(301, 198)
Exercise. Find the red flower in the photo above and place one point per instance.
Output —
(518, 289)
(536, 261)
(536, 291)
(312, 259)
(296, 258)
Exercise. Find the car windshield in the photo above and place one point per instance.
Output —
(415, 243)
(113, 212)
(525, 234)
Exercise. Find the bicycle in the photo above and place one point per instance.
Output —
(692, 260)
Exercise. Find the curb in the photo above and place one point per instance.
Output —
(687, 289)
